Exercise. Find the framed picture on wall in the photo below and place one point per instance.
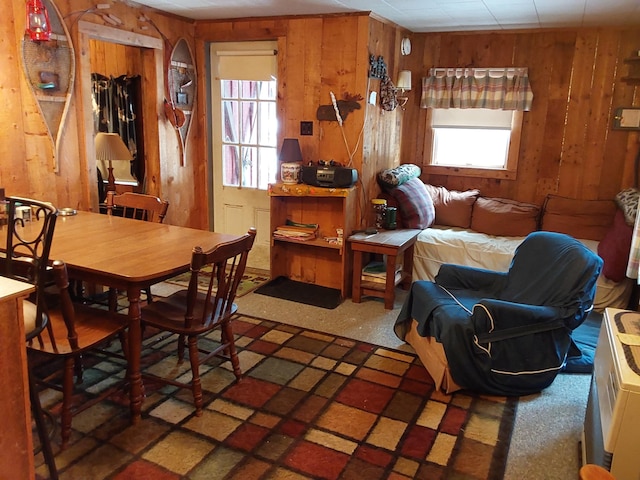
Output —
(627, 119)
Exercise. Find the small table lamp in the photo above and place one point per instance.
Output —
(110, 147)
(290, 158)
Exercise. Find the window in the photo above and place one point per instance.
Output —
(475, 141)
(475, 120)
(249, 127)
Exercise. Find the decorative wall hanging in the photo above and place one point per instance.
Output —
(338, 110)
(50, 70)
(377, 67)
(179, 86)
(182, 88)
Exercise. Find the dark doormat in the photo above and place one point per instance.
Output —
(307, 293)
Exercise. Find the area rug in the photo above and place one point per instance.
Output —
(307, 293)
(310, 406)
(250, 280)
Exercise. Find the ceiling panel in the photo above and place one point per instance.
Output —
(426, 15)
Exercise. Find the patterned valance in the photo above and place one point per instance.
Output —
(492, 88)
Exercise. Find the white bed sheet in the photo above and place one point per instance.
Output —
(437, 245)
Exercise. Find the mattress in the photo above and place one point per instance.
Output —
(437, 245)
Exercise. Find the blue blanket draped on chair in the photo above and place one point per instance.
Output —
(508, 333)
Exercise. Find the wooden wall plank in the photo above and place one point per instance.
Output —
(568, 146)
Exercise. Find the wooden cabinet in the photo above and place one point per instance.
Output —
(316, 261)
(633, 75)
(16, 445)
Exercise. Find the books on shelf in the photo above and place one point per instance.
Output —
(297, 231)
(377, 272)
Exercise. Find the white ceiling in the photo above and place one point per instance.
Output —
(426, 15)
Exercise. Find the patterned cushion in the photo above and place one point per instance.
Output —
(627, 201)
(415, 204)
(394, 177)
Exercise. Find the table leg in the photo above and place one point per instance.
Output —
(407, 267)
(390, 286)
(135, 346)
(356, 293)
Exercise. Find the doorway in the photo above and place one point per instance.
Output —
(244, 140)
(150, 58)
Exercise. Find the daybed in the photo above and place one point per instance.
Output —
(466, 228)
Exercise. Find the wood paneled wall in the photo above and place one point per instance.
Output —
(568, 145)
(25, 149)
(316, 56)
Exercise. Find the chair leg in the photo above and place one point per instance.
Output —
(227, 334)
(41, 427)
(78, 369)
(67, 394)
(113, 299)
(147, 291)
(180, 348)
(196, 386)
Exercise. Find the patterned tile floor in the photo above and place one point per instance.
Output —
(311, 405)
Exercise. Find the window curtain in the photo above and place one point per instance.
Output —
(114, 111)
(495, 88)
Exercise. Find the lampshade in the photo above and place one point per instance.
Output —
(109, 146)
(404, 80)
(38, 26)
(290, 151)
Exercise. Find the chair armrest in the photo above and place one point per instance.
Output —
(470, 278)
(496, 320)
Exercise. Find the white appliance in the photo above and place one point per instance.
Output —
(611, 433)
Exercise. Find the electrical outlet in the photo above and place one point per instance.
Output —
(306, 128)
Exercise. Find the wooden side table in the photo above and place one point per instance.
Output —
(390, 243)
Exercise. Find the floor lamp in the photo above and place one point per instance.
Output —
(110, 147)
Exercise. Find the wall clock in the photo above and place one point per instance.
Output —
(405, 46)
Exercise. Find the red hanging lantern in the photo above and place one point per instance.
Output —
(38, 26)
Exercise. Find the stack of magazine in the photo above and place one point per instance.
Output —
(297, 231)
(377, 272)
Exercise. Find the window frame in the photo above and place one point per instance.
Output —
(508, 173)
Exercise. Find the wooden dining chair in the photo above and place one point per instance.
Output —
(141, 207)
(191, 313)
(137, 205)
(30, 227)
(73, 330)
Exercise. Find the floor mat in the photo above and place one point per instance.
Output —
(250, 280)
(307, 293)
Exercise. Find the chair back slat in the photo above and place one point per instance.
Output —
(138, 205)
(29, 236)
(228, 262)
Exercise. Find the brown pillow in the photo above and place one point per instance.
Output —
(583, 219)
(453, 208)
(500, 216)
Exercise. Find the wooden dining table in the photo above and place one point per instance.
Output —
(129, 255)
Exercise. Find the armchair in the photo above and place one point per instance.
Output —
(507, 333)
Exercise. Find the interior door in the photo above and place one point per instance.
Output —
(244, 136)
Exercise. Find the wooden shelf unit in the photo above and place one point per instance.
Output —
(313, 261)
